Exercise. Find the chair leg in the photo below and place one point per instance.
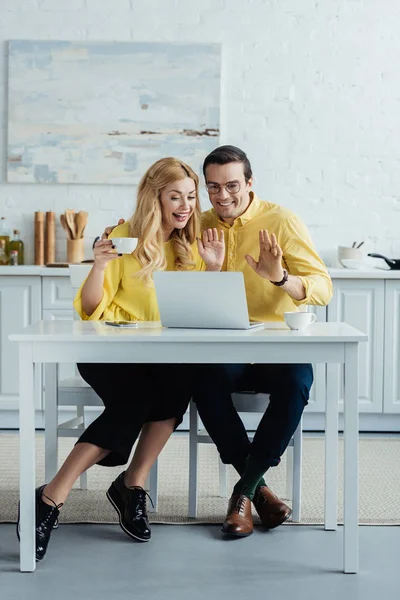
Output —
(80, 412)
(289, 472)
(222, 479)
(297, 467)
(193, 455)
(153, 477)
(51, 421)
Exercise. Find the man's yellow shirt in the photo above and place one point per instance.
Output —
(267, 302)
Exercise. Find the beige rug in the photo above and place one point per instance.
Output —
(379, 483)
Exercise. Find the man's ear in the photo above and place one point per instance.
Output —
(250, 182)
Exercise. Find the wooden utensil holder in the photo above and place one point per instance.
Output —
(75, 250)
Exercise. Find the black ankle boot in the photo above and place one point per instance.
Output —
(130, 504)
(46, 518)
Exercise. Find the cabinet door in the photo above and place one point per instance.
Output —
(316, 402)
(391, 380)
(57, 292)
(20, 306)
(67, 369)
(360, 303)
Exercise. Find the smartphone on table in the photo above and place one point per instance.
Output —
(127, 324)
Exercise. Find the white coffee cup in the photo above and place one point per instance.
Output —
(299, 320)
(125, 245)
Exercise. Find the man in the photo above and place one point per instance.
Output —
(287, 274)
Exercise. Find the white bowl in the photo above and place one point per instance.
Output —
(345, 253)
(353, 263)
(125, 245)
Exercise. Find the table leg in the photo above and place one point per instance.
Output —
(331, 445)
(350, 537)
(50, 420)
(27, 458)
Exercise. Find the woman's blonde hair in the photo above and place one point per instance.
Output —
(146, 221)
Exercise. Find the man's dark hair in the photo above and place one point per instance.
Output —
(227, 154)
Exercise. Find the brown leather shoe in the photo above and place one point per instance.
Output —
(239, 521)
(272, 511)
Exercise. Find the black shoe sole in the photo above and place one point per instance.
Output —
(38, 558)
(114, 504)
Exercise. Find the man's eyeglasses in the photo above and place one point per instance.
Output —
(232, 187)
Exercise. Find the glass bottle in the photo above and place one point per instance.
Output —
(3, 253)
(4, 235)
(17, 245)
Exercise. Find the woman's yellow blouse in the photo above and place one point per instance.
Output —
(126, 297)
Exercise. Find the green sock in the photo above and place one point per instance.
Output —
(241, 467)
(252, 477)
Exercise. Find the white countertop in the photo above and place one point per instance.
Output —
(97, 331)
(373, 273)
(335, 273)
(35, 270)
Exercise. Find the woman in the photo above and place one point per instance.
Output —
(146, 398)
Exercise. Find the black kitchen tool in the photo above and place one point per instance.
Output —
(394, 263)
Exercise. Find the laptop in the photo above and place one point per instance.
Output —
(202, 300)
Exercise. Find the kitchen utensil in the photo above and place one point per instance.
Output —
(57, 265)
(80, 222)
(65, 226)
(70, 218)
(394, 263)
(359, 245)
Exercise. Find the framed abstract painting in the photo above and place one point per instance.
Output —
(102, 112)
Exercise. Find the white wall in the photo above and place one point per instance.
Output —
(310, 90)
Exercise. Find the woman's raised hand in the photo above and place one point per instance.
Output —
(103, 252)
(212, 248)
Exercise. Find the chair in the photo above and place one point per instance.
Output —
(245, 402)
(75, 392)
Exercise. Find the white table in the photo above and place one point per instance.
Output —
(53, 342)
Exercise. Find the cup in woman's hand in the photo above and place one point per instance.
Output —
(299, 320)
(124, 245)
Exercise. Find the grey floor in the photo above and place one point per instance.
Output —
(193, 562)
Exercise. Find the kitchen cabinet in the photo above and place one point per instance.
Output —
(64, 370)
(391, 373)
(361, 303)
(316, 402)
(20, 305)
(57, 306)
(57, 293)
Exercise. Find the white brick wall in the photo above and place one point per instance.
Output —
(310, 90)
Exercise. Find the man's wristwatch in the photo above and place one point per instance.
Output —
(283, 280)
